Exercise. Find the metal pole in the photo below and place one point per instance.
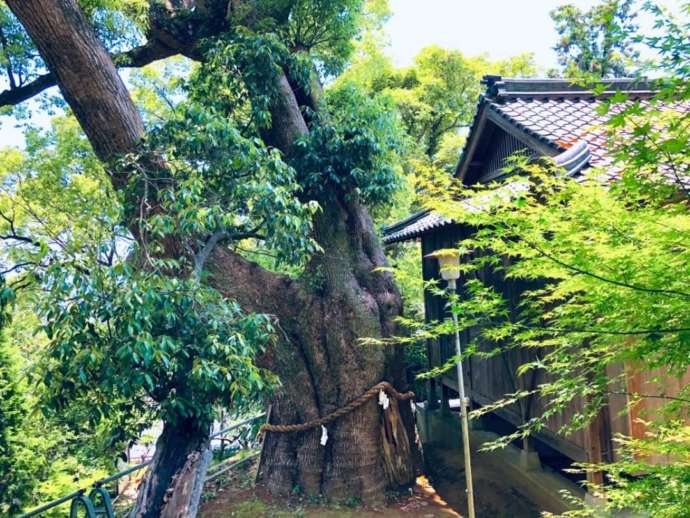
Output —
(463, 412)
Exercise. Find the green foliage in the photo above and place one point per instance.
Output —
(48, 196)
(322, 29)
(130, 340)
(130, 333)
(17, 53)
(438, 94)
(39, 459)
(246, 96)
(118, 23)
(326, 29)
(598, 42)
(135, 344)
(405, 265)
(15, 476)
(219, 181)
(352, 148)
(157, 88)
(298, 36)
(435, 99)
(603, 269)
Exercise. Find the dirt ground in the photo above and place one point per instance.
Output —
(239, 498)
(442, 496)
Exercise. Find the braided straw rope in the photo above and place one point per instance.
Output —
(352, 405)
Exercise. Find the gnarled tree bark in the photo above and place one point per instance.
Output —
(99, 99)
(320, 361)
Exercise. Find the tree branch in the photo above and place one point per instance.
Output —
(14, 96)
(13, 233)
(134, 58)
(650, 396)
(252, 286)
(19, 266)
(8, 66)
(202, 255)
(636, 287)
(615, 332)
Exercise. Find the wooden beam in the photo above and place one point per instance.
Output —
(471, 146)
(598, 444)
(551, 439)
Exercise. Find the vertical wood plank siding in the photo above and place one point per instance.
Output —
(499, 150)
(490, 379)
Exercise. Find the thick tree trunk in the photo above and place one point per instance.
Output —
(326, 367)
(321, 319)
(320, 361)
(322, 364)
(91, 85)
(172, 485)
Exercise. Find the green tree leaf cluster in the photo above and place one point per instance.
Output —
(603, 267)
(353, 149)
(15, 475)
(142, 345)
(598, 42)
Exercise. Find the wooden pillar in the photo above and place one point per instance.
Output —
(445, 396)
(431, 312)
(598, 444)
(634, 387)
(432, 383)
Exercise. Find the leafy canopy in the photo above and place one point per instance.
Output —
(603, 271)
(599, 41)
(133, 331)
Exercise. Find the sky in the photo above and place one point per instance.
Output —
(502, 28)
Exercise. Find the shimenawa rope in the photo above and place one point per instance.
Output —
(352, 405)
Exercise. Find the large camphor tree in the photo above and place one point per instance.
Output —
(245, 157)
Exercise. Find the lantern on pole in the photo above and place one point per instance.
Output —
(449, 266)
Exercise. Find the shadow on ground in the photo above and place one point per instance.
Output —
(494, 497)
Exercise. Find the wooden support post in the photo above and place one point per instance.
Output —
(635, 387)
(529, 457)
(432, 384)
(432, 394)
(445, 397)
(598, 444)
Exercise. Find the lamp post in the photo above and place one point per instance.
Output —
(449, 264)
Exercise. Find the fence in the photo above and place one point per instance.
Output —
(95, 500)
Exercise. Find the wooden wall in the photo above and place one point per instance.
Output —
(491, 379)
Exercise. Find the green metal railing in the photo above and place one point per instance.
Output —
(95, 500)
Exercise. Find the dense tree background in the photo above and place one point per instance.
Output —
(599, 42)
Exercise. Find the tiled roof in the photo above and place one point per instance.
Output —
(561, 122)
(572, 160)
(558, 115)
(413, 226)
